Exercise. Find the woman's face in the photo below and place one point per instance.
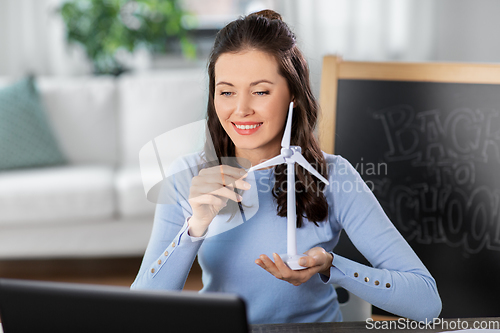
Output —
(251, 100)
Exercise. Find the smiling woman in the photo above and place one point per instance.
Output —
(251, 100)
(263, 48)
(255, 71)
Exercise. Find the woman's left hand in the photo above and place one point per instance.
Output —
(317, 261)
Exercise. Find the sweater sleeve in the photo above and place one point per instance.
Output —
(398, 282)
(171, 251)
(169, 256)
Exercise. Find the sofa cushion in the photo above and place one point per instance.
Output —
(152, 104)
(131, 199)
(56, 195)
(83, 113)
(103, 238)
(26, 137)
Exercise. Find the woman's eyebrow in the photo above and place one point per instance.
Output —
(260, 81)
(251, 84)
(226, 83)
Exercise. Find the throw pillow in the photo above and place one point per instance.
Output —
(26, 138)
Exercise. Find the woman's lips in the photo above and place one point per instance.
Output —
(246, 128)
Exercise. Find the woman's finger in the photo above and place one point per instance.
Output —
(280, 264)
(280, 270)
(208, 199)
(227, 170)
(269, 266)
(217, 190)
(317, 256)
(225, 175)
(308, 261)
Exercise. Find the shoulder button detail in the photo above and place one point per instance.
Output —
(387, 285)
(356, 274)
(367, 279)
(377, 283)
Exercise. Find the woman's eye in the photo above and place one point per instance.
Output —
(262, 93)
(226, 93)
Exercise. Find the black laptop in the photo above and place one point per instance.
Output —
(34, 306)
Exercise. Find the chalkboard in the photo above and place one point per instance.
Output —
(430, 151)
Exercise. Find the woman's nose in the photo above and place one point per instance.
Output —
(243, 106)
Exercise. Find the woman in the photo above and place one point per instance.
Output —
(255, 72)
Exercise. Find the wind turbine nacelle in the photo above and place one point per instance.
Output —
(288, 152)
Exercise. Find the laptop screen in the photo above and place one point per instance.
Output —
(34, 306)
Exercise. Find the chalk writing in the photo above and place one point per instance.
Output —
(449, 200)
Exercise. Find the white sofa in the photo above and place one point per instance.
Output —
(95, 206)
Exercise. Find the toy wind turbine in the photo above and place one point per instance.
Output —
(290, 155)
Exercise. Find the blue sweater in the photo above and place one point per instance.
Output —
(398, 282)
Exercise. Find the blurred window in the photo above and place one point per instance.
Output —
(215, 14)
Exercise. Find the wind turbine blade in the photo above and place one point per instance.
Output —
(273, 161)
(285, 142)
(305, 164)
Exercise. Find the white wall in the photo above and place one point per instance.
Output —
(32, 38)
(395, 30)
(467, 31)
(364, 30)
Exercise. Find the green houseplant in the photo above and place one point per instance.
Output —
(104, 26)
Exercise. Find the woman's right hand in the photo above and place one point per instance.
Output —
(209, 193)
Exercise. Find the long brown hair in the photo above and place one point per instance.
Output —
(265, 31)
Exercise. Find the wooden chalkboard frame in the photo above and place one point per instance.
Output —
(334, 69)
(468, 275)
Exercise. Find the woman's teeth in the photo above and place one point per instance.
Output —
(247, 126)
